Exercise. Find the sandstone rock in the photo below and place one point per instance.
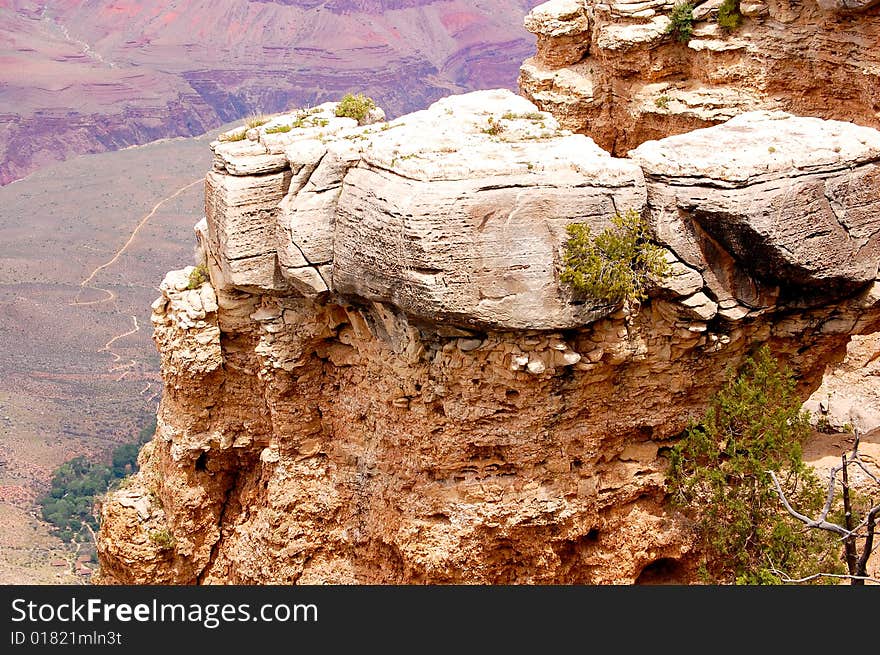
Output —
(558, 18)
(565, 24)
(762, 66)
(778, 191)
(704, 9)
(468, 225)
(616, 38)
(682, 280)
(638, 9)
(467, 345)
(536, 367)
(355, 431)
(753, 9)
(248, 158)
(307, 280)
(848, 6)
(700, 306)
(375, 115)
(139, 503)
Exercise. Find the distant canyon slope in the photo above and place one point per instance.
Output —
(82, 76)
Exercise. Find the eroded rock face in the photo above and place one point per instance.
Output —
(385, 382)
(456, 212)
(633, 82)
(795, 200)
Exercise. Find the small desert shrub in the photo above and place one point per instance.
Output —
(493, 127)
(279, 129)
(197, 277)
(729, 17)
(234, 136)
(662, 102)
(528, 116)
(256, 120)
(682, 25)
(163, 539)
(355, 106)
(617, 264)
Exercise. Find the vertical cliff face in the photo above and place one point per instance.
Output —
(613, 70)
(384, 381)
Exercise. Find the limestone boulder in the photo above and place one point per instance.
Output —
(459, 213)
(794, 200)
(241, 217)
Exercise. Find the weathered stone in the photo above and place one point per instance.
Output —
(848, 6)
(617, 38)
(805, 216)
(240, 213)
(700, 306)
(704, 9)
(536, 366)
(682, 280)
(248, 158)
(467, 345)
(611, 92)
(468, 225)
(563, 23)
(306, 280)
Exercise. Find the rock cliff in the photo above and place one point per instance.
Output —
(614, 71)
(383, 381)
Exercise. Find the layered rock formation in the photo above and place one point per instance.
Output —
(612, 69)
(385, 382)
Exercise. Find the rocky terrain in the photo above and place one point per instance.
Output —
(612, 71)
(90, 77)
(384, 381)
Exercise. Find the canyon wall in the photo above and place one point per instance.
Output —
(611, 69)
(383, 380)
(87, 77)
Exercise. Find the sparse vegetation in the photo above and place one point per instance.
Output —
(279, 129)
(729, 17)
(493, 127)
(617, 264)
(355, 106)
(718, 476)
(234, 136)
(662, 102)
(163, 539)
(197, 277)
(681, 26)
(528, 116)
(256, 120)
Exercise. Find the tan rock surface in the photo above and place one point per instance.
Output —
(634, 83)
(384, 381)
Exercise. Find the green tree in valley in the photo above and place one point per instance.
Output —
(69, 505)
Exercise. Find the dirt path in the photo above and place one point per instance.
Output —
(87, 282)
(110, 296)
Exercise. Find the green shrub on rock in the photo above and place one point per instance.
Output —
(617, 264)
(197, 277)
(682, 22)
(718, 476)
(729, 17)
(355, 106)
